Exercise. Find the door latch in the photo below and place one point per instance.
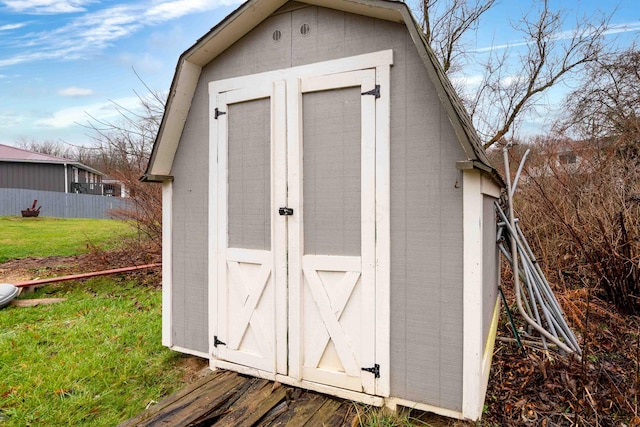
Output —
(285, 211)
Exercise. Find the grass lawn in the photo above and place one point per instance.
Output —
(94, 359)
(42, 237)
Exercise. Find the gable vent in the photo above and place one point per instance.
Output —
(305, 29)
(277, 35)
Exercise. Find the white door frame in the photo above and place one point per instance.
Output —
(286, 82)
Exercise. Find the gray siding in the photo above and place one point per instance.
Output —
(58, 204)
(32, 176)
(490, 261)
(426, 217)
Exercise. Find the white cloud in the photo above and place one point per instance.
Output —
(72, 116)
(10, 119)
(9, 27)
(75, 91)
(94, 31)
(467, 81)
(167, 10)
(145, 63)
(47, 6)
(565, 35)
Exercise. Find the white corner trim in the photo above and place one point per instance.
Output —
(167, 263)
(472, 400)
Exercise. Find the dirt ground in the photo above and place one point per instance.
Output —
(37, 268)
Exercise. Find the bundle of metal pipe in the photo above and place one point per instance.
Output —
(535, 300)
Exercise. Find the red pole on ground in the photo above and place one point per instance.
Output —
(84, 275)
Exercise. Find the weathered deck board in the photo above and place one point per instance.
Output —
(228, 399)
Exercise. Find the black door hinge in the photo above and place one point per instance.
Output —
(375, 370)
(217, 342)
(218, 113)
(375, 92)
(285, 211)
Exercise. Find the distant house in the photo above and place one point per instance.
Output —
(24, 169)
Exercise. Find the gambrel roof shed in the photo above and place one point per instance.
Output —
(328, 216)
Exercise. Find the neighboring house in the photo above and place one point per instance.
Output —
(566, 156)
(328, 209)
(114, 187)
(35, 171)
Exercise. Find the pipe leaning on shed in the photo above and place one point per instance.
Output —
(83, 275)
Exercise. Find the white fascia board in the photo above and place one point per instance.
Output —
(489, 187)
(177, 108)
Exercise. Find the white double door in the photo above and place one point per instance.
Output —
(294, 250)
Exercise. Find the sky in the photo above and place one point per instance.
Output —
(62, 61)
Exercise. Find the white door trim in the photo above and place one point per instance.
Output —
(285, 89)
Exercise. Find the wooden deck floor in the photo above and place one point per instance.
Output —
(228, 399)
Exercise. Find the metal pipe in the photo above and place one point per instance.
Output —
(517, 178)
(542, 291)
(83, 275)
(514, 252)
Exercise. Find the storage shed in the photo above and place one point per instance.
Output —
(328, 214)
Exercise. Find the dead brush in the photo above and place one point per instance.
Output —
(582, 220)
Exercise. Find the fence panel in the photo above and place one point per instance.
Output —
(59, 205)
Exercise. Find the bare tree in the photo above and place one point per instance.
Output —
(122, 150)
(512, 86)
(607, 103)
(445, 24)
(48, 147)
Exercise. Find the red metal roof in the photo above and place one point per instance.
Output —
(13, 154)
(18, 154)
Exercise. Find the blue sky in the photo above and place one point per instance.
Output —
(62, 59)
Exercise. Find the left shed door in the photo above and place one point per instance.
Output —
(248, 137)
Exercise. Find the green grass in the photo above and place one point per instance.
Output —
(94, 359)
(43, 237)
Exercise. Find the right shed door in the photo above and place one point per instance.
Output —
(332, 241)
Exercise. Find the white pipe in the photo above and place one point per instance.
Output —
(66, 179)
